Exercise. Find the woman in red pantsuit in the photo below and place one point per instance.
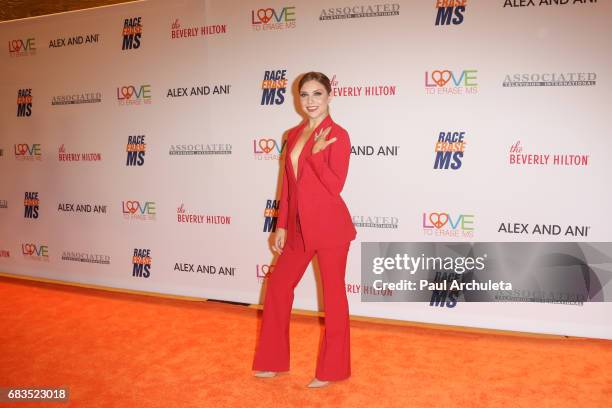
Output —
(313, 219)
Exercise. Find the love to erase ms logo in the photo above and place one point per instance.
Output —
(134, 94)
(132, 33)
(35, 252)
(450, 12)
(444, 224)
(28, 152)
(273, 87)
(22, 47)
(273, 19)
(141, 263)
(268, 149)
(449, 150)
(24, 102)
(31, 204)
(136, 149)
(451, 82)
(138, 210)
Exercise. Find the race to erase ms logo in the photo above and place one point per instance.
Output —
(138, 210)
(274, 86)
(134, 95)
(268, 149)
(136, 149)
(24, 102)
(448, 225)
(141, 263)
(449, 150)
(35, 252)
(440, 82)
(31, 204)
(22, 47)
(271, 215)
(132, 33)
(273, 19)
(450, 12)
(28, 152)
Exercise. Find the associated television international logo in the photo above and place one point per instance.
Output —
(273, 87)
(271, 215)
(450, 12)
(77, 98)
(451, 82)
(134, 95)
(139, 210)
(268, 149)
(367, 221)
(3, 204)
(31, 204)
(273, 19)
(132, 33)
(449, 150)
(35, 252)
(200, 149)
(28, 152)
(24, 102)
(444, 224)
(141, 263)
(22, 47)
(136, 149)
(518, 157)
(371, 10)
(85, 257)
(550, 79)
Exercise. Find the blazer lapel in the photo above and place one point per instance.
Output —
(307, 150)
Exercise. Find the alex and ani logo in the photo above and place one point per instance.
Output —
(273, 19)
(449, 150)
(35, 252)
(141, 263)
(136, 210)
(134, 94)
(24, 102)
(268, 149)
(27, 152)
(271, 215)
(449, 82)
(22, 47)
(450, 12)
(136, 149)
(273, 87)
(443, 224)
(31, 204)
(132, 33)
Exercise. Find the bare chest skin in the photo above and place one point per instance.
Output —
(297, 149)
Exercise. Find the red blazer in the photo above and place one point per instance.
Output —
(314, 196)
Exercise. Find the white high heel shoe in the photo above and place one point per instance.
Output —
(316, 383)
(265, 374)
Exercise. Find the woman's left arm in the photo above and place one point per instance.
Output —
(332, 172)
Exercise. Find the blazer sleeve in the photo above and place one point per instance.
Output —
(283, 210)
(332, 172)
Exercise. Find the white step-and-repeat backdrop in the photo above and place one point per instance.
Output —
(140, 143)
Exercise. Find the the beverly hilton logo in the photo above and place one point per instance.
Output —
(550, 79)
(200, 149)
(370, 10)
(268, 149)
(519, 157)
(64, 156)
(361, 90)
(273, 19)
(4, 253)
(441, 82)
(185, 217)
(22, 47)
(177, 31)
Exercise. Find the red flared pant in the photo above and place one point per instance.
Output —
(334, 361)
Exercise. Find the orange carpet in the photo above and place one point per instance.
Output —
(128, 350)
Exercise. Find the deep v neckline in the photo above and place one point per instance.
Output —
(296, 171)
